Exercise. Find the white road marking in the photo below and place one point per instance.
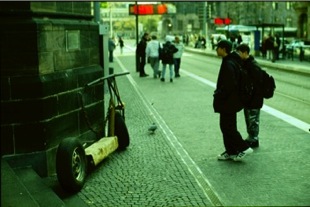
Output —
(287, 118)
(192, 167)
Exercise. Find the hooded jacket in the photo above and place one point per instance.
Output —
(226, 97)
(171, 50)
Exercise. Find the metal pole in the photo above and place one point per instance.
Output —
(111, 26)
(137, 36)
(204, 16)
(97, 11)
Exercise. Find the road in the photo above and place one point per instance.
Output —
(290, 96)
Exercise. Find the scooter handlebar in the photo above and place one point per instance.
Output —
(106, 77)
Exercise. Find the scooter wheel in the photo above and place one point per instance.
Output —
(71, 164)
(121, 132)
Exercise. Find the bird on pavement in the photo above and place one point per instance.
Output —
(152, 128)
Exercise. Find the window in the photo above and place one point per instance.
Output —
(288, 6)
(275, 5)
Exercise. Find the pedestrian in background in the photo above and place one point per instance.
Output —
(203, 42)
(252, 111)
(276, 47)
(167, 58)
(141, 56)
(239, 39)
(263, 47)
(111, 49)
(269, 47)
(121, 44)
(177, 56)
(227, 103)
(152, 53)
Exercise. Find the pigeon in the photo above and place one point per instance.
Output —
(152, 128)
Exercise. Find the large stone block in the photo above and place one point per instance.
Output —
(49, 51)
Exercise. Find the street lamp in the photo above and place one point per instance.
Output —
(111, 26)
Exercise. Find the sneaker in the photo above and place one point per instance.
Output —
(171, 80)
(225, 156)
(241, 155)
(162, 79)
(252, 143)
(144, 75)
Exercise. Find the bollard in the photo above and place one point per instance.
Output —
(111, 71)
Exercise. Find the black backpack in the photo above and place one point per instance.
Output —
(268, 85)
(165, 52)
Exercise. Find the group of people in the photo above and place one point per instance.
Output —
(227, 101)
(152, 51)
(271, 47)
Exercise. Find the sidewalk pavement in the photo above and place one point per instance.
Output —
(177, 166)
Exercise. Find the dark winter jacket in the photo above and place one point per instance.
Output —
(226, 96)
(141, 48)
(256, 75)
(168, 59)
(269, 43)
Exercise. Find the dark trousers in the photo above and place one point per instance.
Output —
(177, 63)
(233, 141)
(111, 56)
(141, 61)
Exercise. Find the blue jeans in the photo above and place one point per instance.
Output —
(177, 63)
(164, 71)
(154, 61)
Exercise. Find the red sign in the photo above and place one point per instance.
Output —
(161, 9)
(147, 9)
(222, 21)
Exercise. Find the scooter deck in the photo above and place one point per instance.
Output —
(101, 149)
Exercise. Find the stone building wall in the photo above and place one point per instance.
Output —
(49, 51)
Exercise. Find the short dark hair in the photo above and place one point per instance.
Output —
(225, 44)
(243, 48)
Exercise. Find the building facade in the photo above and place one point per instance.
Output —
(198, 17)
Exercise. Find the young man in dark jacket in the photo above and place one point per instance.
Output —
(252, 110)
(141, 56)
(227, 103)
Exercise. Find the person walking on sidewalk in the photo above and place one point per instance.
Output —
(177, 56)
(167, 59)
(111, 49)
(252, 111)
(140, 52)
(121, 44)
(227, 103)
(152, 53)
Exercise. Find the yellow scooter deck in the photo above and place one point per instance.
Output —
(102, 148)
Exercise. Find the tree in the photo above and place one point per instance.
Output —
(150, 23)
